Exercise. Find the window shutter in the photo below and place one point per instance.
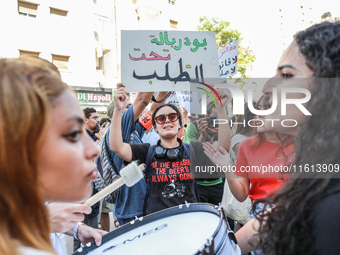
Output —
(24, 53)
(27, 8)
(60, 61)
(173, 24)
(57, 12)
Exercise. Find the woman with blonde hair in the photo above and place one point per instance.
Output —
(45, 155)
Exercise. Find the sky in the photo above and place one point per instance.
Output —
(259, 23)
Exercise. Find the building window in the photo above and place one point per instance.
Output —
(24, 53)
(57, 12)
(173, 24)
(60, 61)
(27, 9)
(100, 63)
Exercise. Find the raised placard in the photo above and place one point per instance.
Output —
(167, 60)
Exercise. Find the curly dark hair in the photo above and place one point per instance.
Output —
(288, 228)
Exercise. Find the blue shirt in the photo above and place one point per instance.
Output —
(130, 200)
(93, 135)
(151, 137)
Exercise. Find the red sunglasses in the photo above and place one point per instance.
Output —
(160, 119)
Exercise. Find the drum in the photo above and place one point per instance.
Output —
(185, 229)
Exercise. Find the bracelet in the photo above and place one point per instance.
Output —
(76, 228)
(165, 98)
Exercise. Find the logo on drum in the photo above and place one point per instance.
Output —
(127, 241)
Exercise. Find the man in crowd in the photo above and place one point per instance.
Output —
(91, 126)
(91, 120)
(210, 189)
(92, 123)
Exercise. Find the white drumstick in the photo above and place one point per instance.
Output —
(130, 175)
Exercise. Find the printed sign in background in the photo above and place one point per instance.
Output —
(172, 99)
(227, 60)
(187, 99)
(167, 60)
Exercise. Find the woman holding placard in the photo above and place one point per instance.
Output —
(168, 163)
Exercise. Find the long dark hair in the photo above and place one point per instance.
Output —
(285, 140)
(259, 136)
(246, 129)
(288, 229)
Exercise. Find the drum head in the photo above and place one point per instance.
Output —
(176, 230)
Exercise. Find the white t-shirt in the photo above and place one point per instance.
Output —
(238, 138)
(56, 244)
(23, 250)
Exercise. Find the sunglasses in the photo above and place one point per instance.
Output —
(160, 119)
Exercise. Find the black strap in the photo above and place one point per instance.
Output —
(165, 98)
(148, 160)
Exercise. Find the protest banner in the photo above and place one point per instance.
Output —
(172, 99)
(167, 60)
(187, 99)
(228, 59)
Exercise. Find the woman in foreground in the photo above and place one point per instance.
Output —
(45, 155)
(305, 219)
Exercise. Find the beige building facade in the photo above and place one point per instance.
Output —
(81, 37)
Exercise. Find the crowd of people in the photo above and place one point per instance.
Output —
(53, 156)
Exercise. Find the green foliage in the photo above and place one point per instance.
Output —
(226, 36)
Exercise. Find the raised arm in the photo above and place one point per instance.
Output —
(123, 150)
(223, 130)
(142, 100)
(238, 185)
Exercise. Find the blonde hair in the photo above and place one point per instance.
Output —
(29, 88)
